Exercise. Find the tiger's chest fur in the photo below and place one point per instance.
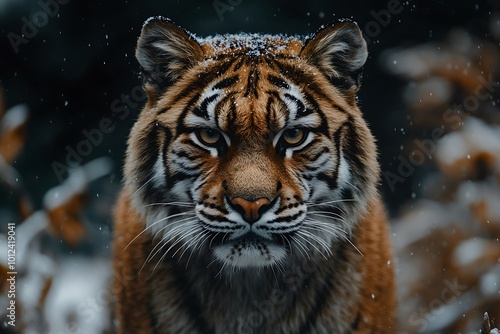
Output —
(250, 201)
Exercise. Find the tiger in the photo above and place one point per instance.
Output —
(250, 202)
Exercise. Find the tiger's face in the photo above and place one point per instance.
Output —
(251, 149)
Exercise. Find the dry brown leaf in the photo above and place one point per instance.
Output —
(65, 220)
(475, 166)
(481, 212)
(25, 207)
(13, 127)
(45, 292)
(3, 277)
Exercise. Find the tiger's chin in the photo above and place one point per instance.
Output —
(249, 254)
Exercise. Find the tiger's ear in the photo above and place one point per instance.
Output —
(164, 52)
(340, 51)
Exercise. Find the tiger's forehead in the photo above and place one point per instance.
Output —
(251, 44)
(252, 102)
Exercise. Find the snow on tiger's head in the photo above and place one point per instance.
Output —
(251, 147)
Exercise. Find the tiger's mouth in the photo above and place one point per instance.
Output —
(251, 238)
(249, 254)
(249, 250)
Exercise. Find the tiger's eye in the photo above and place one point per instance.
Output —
(294, 136)
(209, 136)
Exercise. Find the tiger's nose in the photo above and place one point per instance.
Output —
(251, 211)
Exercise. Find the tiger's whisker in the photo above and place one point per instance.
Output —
(333, 232)
(176, 227)
(222, 268)
(326, 214)
(345, 237)
(156, 222)
(333, 201)
(162, 243)
(320, 241)
(145, 183)
(302, 246)
(183, 204)
(190, 244)
(166, 253)
(166, 238)
(319, 224)
(304, 237)
(199, 244)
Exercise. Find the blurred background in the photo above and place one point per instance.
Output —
(430, 93)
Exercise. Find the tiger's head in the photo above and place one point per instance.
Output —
(251, 149)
